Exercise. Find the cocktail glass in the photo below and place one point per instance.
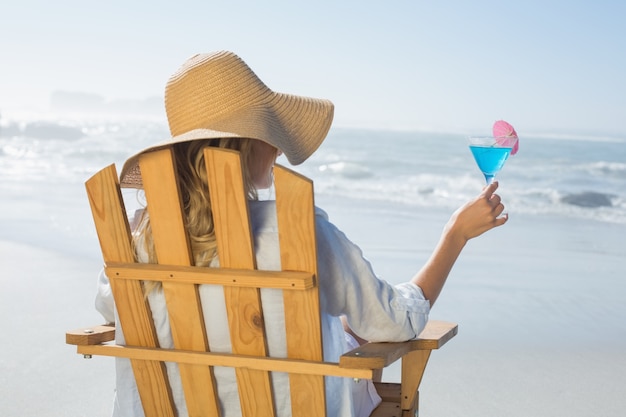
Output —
(490, 153)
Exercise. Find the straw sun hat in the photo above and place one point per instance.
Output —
(217, 95)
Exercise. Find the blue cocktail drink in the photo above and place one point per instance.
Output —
(490, 155)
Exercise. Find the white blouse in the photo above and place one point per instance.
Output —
(374, 309)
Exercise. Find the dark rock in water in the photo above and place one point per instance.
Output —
(588, 199)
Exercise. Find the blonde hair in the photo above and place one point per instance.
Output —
(196, 200)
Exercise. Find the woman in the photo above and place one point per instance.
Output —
(216, 100)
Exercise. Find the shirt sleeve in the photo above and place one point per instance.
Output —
(375, 310)
(104, 298)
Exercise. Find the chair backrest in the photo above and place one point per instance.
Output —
(238, 275)
(242, 283)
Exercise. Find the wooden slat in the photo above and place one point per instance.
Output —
(413, 367)
(380, 355)
(107, 209)
(90, 335)
(388, 391)
(172, 248)
(235, 250)
(296, 225)
(113, 231)
(297, 366)
(388, 409)
(284, 280)
(436, 334)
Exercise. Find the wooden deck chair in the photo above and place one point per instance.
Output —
(241, 282)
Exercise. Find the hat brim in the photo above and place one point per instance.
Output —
(130, 177)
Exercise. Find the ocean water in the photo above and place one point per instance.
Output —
(581, 177)
(571, 176)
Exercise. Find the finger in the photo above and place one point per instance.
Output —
(498, 209)
(490, 189)
(495, 200)
(500, 220)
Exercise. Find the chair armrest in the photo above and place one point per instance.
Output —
(380, 355)
(91, 335)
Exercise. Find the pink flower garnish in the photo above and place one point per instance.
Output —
(506, 135)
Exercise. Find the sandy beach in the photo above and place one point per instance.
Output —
(44, 293)
(541, 320)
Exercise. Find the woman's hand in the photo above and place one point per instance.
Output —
(478, 215)
(473, 219)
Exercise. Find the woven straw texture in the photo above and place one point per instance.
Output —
(217, 95)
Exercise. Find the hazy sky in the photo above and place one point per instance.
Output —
(447, 65)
